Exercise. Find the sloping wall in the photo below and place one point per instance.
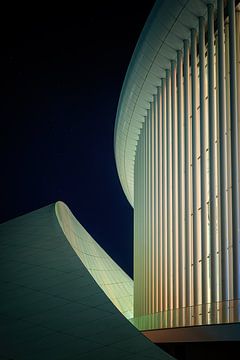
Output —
(50, 306)
(116, 284)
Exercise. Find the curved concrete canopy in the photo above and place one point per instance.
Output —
(163, 34)
(116, 284)
(50, 306)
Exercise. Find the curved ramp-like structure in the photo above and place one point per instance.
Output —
(50, 305)
(116, 284)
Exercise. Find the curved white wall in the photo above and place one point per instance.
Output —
(177, 152)
(116, 284)
(163, 34)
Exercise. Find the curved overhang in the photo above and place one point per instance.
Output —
(163, 34)
(54, 294)
(115, 283)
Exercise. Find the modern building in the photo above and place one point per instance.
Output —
(62, 296)
(177, 149)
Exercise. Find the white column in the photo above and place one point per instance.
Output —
(187, 175)
(160, 209)
(175, 175)
(195, 189)
(223, 153)
(181, 200)
(234, 150)
(164, 196)
(204, 146)
(212, 154)
(169, 189)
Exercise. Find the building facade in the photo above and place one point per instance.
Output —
(112, 280)
(62, 296)
(177, 149)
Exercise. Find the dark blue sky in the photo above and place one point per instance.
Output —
(61, 75)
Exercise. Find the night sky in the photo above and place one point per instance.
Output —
(61, 74)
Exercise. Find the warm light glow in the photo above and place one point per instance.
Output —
(186, 170)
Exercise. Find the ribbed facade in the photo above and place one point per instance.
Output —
(186, 174)
(186, 180)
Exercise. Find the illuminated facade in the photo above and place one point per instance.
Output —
(115, 283)
(177, 149)
(54, 282)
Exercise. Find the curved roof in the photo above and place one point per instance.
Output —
(168, 24)
(51, 307)
(116, 284)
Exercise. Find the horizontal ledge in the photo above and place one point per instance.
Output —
(219, 332)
